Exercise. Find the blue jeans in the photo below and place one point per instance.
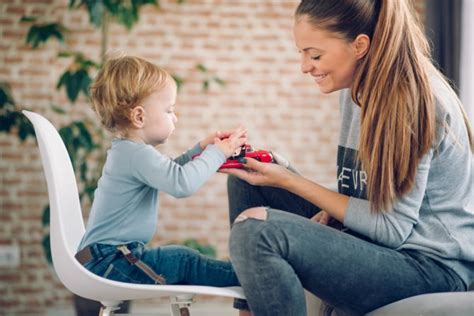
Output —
(276, 258)
(177, 264)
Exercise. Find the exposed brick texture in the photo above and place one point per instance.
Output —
(247, 43)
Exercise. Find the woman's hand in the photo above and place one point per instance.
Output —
(259, 173)
(322, 218)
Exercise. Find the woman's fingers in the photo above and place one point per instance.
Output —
(322, 218)
(251, 164)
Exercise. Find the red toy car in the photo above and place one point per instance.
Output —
(248, 152)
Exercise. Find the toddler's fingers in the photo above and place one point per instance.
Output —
(241, 132)
(223, 134)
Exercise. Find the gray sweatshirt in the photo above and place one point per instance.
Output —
(436, 217)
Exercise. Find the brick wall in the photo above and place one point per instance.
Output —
(248, 43)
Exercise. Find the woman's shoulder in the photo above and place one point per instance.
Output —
(448, 111)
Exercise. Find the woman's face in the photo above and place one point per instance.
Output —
(330, 59)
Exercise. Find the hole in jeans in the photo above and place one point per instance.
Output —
(259, 213)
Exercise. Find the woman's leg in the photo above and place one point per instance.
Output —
(243, 196)
(275, 258)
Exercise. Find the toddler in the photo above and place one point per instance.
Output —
(135, 100)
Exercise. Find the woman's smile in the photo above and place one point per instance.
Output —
(319, 78)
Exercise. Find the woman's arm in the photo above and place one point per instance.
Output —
(335, 204)
(390, 228)
(258, 173)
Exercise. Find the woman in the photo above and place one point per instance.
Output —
(405, 175)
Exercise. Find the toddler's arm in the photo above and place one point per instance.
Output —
(164, 174)
(188, 155)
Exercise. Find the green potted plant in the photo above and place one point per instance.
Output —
(83, 137)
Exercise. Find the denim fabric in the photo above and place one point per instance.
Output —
(275, 259)
(177, 264)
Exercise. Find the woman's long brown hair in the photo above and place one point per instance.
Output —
(392, 87)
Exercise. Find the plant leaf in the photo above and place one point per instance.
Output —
(25, 128)
(47, 248)
(219, 81)
(41, 33)
(6, 98)
(46, 215)
(205, 85)
(201, 68)
(57, 109)
(28, 19)
(179, 81)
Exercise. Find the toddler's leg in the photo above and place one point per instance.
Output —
(183, 265)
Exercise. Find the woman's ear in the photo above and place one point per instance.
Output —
(137, 117)
(361, 45)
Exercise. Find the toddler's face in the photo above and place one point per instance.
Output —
(159, 115)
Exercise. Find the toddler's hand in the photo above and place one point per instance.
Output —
(212, 136)
(229, 145)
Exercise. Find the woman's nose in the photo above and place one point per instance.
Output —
(306, 65)
(175, 118)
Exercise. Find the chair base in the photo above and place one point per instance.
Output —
(179, 306)
(109, 307)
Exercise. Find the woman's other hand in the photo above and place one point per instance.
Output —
(322, 218)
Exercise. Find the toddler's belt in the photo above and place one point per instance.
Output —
(85, 255)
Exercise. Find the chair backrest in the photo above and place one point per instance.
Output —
(67, 225)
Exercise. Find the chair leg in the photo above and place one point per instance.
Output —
(180, 305)
(108, 307)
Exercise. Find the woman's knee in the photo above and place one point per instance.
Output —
(245, 233)
(254, 212)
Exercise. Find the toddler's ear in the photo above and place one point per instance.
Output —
(137, 116)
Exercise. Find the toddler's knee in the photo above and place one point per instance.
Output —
(254, 212)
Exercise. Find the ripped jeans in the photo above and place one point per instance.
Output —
(176, 264)
(279, 256)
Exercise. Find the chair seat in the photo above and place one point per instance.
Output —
(435, 304)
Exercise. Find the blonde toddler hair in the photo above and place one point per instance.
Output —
(122, 84)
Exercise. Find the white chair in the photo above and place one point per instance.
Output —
(433, 304)
(67, 229)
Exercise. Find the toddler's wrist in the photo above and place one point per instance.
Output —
(203, 144)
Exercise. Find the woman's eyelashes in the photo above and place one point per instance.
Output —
(316, 57)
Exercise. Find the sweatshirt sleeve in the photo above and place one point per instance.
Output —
(164, 174)
(391, 228)
(188, 155)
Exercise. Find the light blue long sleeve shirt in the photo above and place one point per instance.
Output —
(125, 206)
(437, 216)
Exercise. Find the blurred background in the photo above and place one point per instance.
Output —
(236, 63)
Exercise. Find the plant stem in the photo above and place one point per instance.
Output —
(105, 35)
